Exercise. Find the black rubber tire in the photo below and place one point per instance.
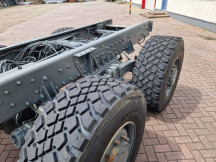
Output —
(60, 30)
(81, 120)
(2, 46)
(153, 66)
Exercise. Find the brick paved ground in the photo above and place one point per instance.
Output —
(186, 131)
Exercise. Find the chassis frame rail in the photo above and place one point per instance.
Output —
(40, 81)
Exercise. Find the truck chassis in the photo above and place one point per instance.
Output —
(64, 95)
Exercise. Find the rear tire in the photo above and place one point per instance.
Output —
(80, 122)
(157, 70)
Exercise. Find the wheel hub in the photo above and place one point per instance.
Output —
(172, 78)
(119, 152)
(120, 146)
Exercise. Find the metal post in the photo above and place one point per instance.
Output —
(130, 8)
(143, 4)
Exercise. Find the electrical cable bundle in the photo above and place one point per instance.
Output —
(42, 50)
(38, 51)
(32, 53)
(6, 65)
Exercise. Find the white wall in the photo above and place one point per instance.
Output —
(200, 9)
(136, 1)
(150, 4)
(158, 4)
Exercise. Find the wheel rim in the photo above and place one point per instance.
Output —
(121, 144)
(172, 77)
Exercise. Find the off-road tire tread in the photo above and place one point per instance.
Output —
(150, 67)
(69, 121)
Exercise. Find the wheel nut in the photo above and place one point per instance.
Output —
(125, 138)
(108, 155)
(116, 142)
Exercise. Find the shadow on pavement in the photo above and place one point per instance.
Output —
(184, 102)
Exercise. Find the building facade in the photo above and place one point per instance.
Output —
(201, 13)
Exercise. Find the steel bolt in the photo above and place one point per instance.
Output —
(36, 91)
(68, 66)
(60, 70)
(6, 92)
(12, 104)
(18, 82)
(45, 78)
(32, 80)
(27, 103)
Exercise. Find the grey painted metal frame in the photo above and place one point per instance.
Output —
(23, 87)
